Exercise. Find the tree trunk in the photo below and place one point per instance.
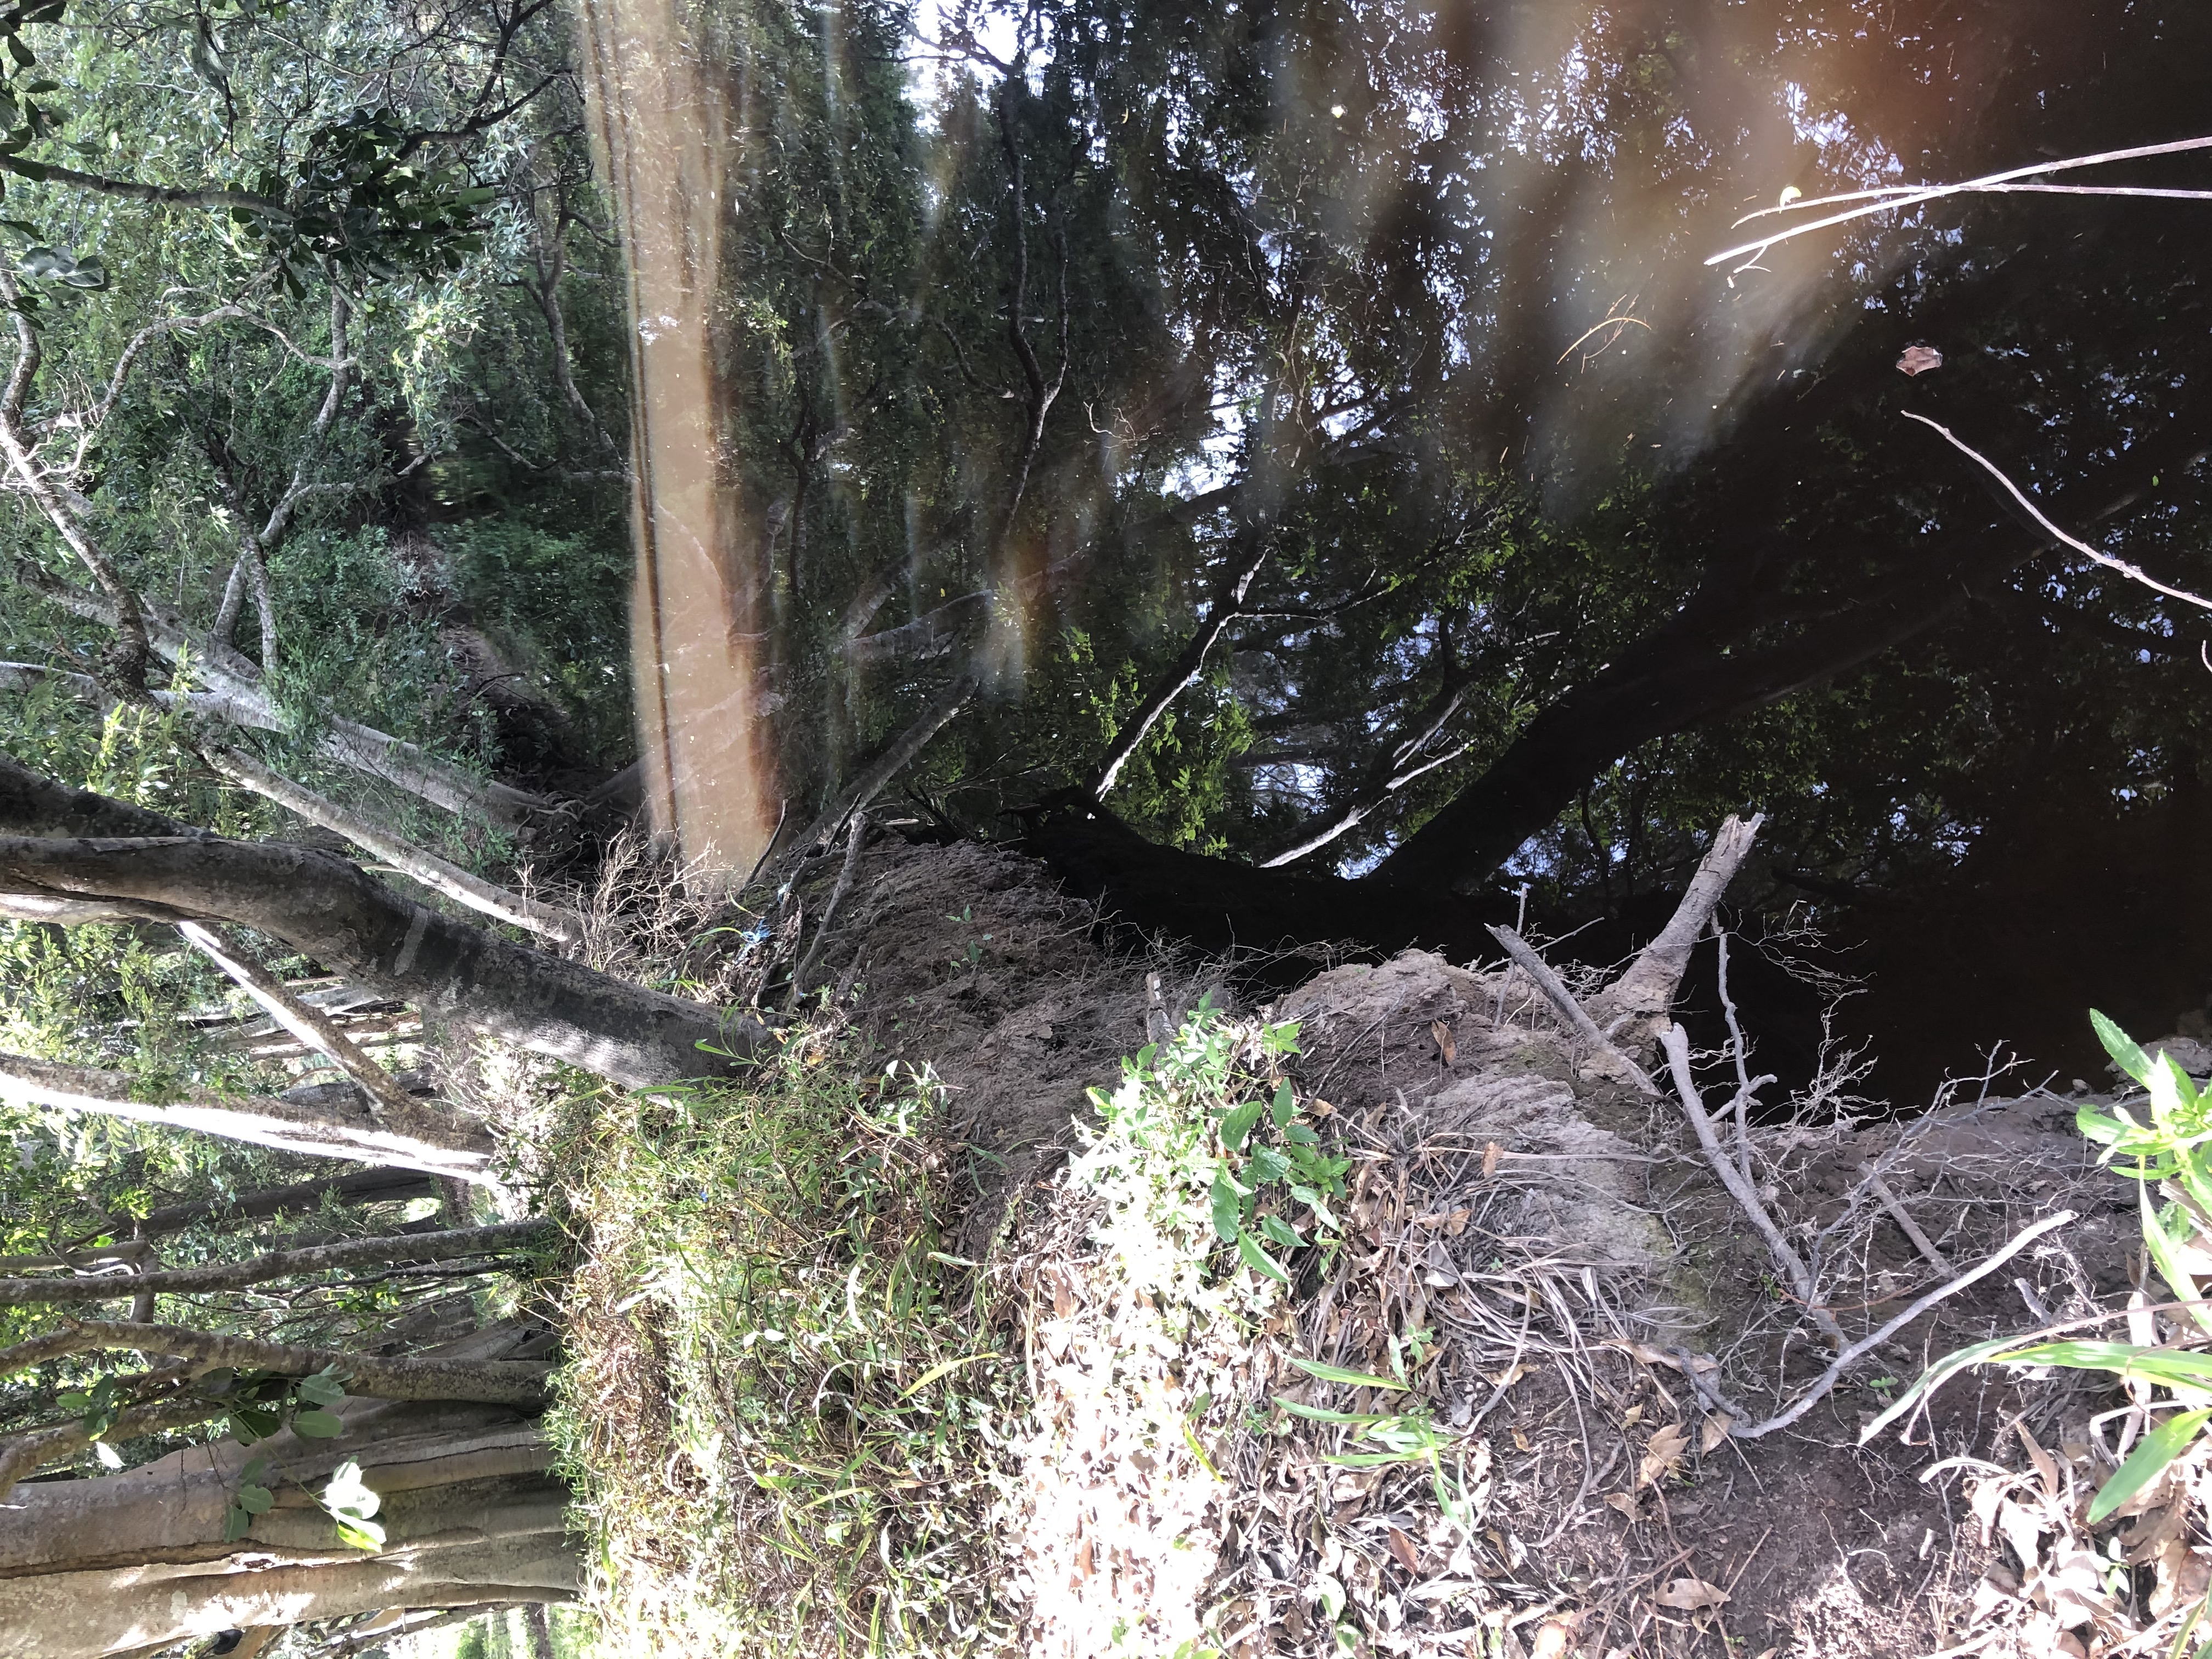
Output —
(138, 1560)
(350, 922)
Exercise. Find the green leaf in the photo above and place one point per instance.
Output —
(1258, 1259)
(250, 1423)
(255, 1500)
(1298, 1133)
(1228, 1207)
(324, 1388)
(1350, 1379)
(2123, 1049)
(361, 1535)
(2148, 1461)
(235, 1523)
(1237, 1126)
(1268, 1164)
(2160, 1244)
(1317, 1414)
(1283, 1106)
(316, 1424)
(1280, 1231)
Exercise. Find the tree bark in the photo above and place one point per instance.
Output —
(137, 1559)
(368, 1187)
(487, 1381)
(328, 910)
(451, 1245)
(426, 1142)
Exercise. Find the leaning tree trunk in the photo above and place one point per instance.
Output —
(70, 855)
(136, 1561)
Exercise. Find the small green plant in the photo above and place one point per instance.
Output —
(1410, 1436)
(1175, 1132)
(2166, 1153)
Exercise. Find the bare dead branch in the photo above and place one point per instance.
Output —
(1577, 1018)
(1228, 605)
(2133, 573)
(309, 1024)
(428, 1143)
(1676, 1043)
(1646, 989)
(1891, 198)
(549, 920)
(1818, 1389)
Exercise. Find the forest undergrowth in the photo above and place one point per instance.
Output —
(1388, 1318)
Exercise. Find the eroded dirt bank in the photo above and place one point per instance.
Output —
(1536, 1255)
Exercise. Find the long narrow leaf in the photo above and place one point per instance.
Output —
(2126, 1054)
(2160, 1246)
(1257, 1259)
(1338, 1374)
(1932, 1379)
(2148, 1461)
(1318, 1415)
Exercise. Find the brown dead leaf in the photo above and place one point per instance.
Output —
(1520, 1441)
(1553, 1636)
(1716, 1431)
(1661, 1454)
(1320, 1108)
(1445, 1045)
(1083, 1562)
(1690, 1596)
(1631, 1417)
(1402, 1547)
(1919, 359)
(1456, 1223)
(1492, 1151)
(2046, 1466)
(1625, 1502)
(1507, 1379)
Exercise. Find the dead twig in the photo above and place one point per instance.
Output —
(1578, 1021)
(1676, 1042)
(1828, 1380)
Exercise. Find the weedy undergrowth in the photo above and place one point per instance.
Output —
(2164, 1142)
(781, 1416)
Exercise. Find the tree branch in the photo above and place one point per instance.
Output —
(424, 1141)
(1228, 605)
(487, 1381)
(453, 1244)
(309, 1024)
(433, 872)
